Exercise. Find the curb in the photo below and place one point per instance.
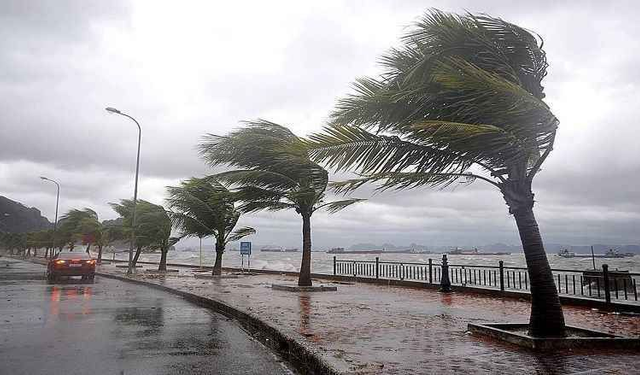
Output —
(302, 358)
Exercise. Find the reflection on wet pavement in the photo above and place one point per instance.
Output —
(112, 327)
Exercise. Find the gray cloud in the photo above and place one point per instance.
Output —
(185, 70)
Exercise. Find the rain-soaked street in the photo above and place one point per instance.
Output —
(111, 327)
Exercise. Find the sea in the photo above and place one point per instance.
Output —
(322, 262)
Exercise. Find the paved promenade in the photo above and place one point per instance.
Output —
(372, 329)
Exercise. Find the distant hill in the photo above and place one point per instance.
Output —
(15, 217)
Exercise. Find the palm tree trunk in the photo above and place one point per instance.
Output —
(547, 319)
(99, 254)
(136, 256)
(163, 259)
(305, 266)
(217, 267)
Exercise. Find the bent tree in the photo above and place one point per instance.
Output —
(460, 101)
(275, 173)
(152, 227)
(203, 207)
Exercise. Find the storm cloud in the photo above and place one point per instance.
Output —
(190, 68)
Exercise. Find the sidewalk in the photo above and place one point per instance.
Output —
(372, 329)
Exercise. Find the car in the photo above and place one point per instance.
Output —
(70, 263)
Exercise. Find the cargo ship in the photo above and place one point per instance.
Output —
(272, 249)
(341, 250)
(611, 253)
(474, 252)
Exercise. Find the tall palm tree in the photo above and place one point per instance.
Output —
(275, 173)
(461, 100)
(203, 207)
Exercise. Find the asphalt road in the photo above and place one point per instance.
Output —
(113, 327)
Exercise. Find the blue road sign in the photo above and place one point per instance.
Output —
(245, 248)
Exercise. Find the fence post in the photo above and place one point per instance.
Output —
(445, 283)
(334, 265)
(605, 276)
(430, 271)
(377, 267)
(501, 265)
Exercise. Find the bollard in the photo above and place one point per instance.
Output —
(377, 267)
(445, 283)
(605, 276)
(430, 271)
(501, 265)
(334, 265)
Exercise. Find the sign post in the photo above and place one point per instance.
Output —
(245, 249)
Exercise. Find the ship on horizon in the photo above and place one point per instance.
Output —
(474, 251)
(611, 253)
(341, 250)
(272, 249)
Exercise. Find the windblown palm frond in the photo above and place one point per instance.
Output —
(462, 91)
(203, 207)
(240, 233)
(276, 171)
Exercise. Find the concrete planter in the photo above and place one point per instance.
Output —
(516, 333)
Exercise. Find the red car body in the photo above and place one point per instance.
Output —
(67, 264)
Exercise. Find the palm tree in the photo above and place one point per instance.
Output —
(460, 101)
(275, 174)
(152, 227)
(80, 224)
(203, 207)
(110, 233)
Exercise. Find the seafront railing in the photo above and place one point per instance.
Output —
(602, 283)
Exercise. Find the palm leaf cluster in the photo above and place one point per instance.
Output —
(273, 169)
(462, 91)
(203, 207)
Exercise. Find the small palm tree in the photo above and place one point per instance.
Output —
(80, 224)
(110, 233)
(203, 207)
(275, 174)
(460, 101)
(152, 226)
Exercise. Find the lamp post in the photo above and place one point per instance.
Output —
(55, 223)
(135, 188)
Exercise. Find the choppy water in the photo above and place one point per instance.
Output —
(323, 262)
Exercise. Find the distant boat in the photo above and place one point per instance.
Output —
(291, 250)
(474, 252)
(272, 249)
(611, 253)
(341, 250)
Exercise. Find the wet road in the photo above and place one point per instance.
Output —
(112, 327)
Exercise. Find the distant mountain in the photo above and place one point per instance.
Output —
(15, 217)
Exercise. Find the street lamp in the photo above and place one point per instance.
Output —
(55, 223)
(135, 188)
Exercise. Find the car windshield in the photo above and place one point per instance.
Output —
(73, 255)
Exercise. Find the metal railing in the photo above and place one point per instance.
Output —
(596, 284)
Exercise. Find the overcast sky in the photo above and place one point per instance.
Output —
(187, 68)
